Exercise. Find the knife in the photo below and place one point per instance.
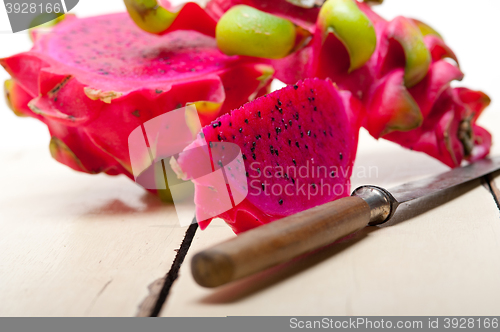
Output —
(282, 240)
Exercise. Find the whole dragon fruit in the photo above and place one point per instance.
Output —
(92, 92)
(398, 69)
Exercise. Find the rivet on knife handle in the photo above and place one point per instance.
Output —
(284, 239)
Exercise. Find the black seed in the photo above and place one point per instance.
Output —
(244, 157)
(286, 126)
(297, 143)
(280, 110)
(282, 120)
(214, 125)
(230, 124)
(280, 202)
(234, 137)
(293, 181)
(219, 138)
(309, 133)
(312, 98)
(272, 149)
(294, 162)
(252, 149)
(279, 102)
(258, 170)
(220, 124)
(136, 113)
(268, 135)
(286, 176)
(312, 90)
(315, 108)
(276, 106)
(309, 98)
(295, 87)
(297, 116)
(341, 156)
(314, 135)
(254, 143)
(301, 134)
(263, 187)
(278, 174)
(258, 137)
(241, 129)
(253, 156)
(300, 126)
(290, 122)
(246, 121)
(258, 113)
(332, 174)
(276, 151)
(272, 119)
(307, 147)
(313, 185)
(290, 142)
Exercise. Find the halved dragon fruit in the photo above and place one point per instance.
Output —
(298, 146)
(93, 91)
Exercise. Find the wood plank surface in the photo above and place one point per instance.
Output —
(74, 244)
(438, 257)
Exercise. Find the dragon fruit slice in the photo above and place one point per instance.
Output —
(92, 92)
(298, 145)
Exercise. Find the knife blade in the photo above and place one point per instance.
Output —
(282, 240)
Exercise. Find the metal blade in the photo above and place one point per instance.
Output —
(416, 189)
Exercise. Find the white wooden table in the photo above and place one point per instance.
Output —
(73, 244)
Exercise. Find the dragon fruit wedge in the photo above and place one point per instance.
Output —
(92, 92)
(298, 146)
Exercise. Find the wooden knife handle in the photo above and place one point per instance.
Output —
(279, 241)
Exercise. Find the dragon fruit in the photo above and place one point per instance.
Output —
(298, 146)
(398, 70)
(92, 92)
(401, 77)
(405, 88)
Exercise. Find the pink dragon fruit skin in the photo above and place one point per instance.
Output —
(400, 86)
(92, 91)
(304, 17)
(299, 145)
